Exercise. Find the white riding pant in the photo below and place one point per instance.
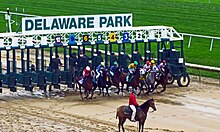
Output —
(98, 74)
(111, 73)
(134, 111)
(131, 70)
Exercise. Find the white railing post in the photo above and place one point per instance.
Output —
(210, 49)
(190, 39)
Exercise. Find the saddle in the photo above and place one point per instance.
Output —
(128, 111)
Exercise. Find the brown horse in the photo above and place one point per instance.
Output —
(102, 82)
(122, 78)
(88, 87)
(134, 83)
(162, 80)
(115, 80)
(141, 114)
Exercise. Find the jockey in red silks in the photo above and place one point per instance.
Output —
(147, 66)
(86, 73)
(133, 104)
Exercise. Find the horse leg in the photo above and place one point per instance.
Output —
(99, 91)
(118, 87)
(103, 94)
(119, 124)
(164, 87)
(122, 124)
(157, 85)
(107, 91)
(80, 90)
(127, 88)
(148, 89)
(86, 94)
(140, 126)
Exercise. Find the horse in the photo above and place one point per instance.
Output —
(162, 79)
(141, 114)
(115, 80)
(102, 82)
(143, 83)
(150, 81)
(88, 87)
(134, 83)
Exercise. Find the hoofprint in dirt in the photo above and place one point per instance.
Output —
(195, 108)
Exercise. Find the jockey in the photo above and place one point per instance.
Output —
(162, 64)
(113, 68)
(133, 104)
(153, 67)
(147, 66)
(99, 68)
(86, 73)
(131, 68)
(160, 67)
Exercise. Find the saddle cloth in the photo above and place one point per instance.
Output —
(81, 81)
(128, 111)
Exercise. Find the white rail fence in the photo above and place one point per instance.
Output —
(204, 68)
(201, 36)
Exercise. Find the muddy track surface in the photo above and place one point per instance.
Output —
(58, 121)
(195, 108)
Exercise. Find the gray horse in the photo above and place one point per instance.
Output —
(150, 81)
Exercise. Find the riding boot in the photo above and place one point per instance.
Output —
(127, 78)
(131, 76)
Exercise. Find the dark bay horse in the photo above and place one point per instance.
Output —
(134, 83)
(162, 79)
(141, 114)
(116, 79)
(88, 87)
(102, 82)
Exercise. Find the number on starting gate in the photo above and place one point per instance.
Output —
(138, 35)
(85, 38)
(99, 37)
(125, 36)
(58, 40)
(112, 37)
(72, 39)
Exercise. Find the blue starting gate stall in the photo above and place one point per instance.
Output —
(111, 31)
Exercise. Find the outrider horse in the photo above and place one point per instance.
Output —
(141, 114)
(88, 87)
(162, 79)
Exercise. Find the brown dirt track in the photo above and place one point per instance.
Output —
(192, 109)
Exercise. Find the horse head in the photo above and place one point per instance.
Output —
(147, 104)
(165, 70)
(152, 104)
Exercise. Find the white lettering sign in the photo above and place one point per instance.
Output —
(60, 24)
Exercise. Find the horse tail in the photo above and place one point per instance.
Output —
(116, 114)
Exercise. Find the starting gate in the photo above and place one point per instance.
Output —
(168, 42)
